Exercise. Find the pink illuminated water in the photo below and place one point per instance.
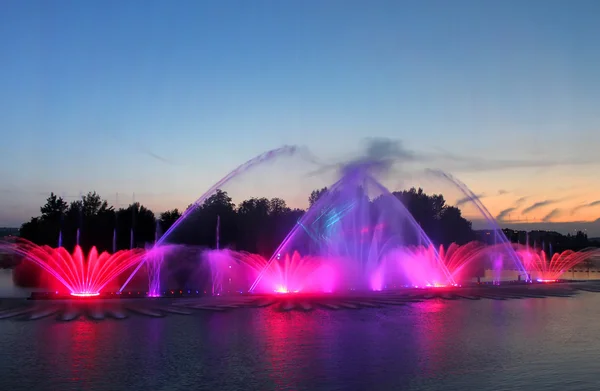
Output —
(411, 266)
(82, 276)
(231, 270)
(550, 268)
(419, 266)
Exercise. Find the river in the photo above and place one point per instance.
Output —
(549, 344)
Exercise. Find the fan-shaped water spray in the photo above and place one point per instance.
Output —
(544, 267)
(80, 275)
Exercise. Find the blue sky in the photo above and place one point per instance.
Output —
(164, 98)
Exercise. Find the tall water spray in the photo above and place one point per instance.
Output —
(358, 230)
(504, 246)
(154, 263)
(258, 160)
(218, 229)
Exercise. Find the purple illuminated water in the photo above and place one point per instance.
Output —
(267, 156)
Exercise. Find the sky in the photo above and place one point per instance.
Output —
(156, 101)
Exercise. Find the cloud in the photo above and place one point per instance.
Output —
(140, 149)
(553, 213)
(464, 200)
(476, 164)
(584, 206)
(381, 154)
(502, 192)
(504, 213)
(155, 156)
(521, 200)
(538, 205)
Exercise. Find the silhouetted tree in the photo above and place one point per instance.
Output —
(54, 209)
(549, 241)
(316, 194)
(168, 218)
(256, 224)
(444, 224)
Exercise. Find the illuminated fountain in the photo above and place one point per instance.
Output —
(462, 262)
(400, 267)
(502, 256)
(179, 225)
(370, 241)
(154, 262)
(544, 268)
(357, 236)
(82, 276)
(354, 231)
(235, 271)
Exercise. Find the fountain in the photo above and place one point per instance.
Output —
(358, 233)
(80, 276)
(252, 163)
(356, 237)
(550, 268)
(505, 256)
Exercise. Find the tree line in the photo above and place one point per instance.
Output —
(551, 241)
(255, 225)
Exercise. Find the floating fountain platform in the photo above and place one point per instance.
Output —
(68, 308)
(174, 293)
(409, 290)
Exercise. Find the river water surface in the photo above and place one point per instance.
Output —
(527, 344)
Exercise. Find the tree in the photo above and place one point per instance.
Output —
(54, 208)
(136, 226)
(315, 195)
(454, 228)
(168, 218)
(442, 223)
(277, 206)
(256, 224)
(92, 204)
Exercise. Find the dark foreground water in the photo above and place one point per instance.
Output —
(528, 344)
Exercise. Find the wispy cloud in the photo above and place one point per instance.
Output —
(474, 164)
(539, 205)
(503, 192)
(553, 213)
(521, 200)
(584, 206)
(383, 154)
(141, 149)
(464, 200)
(506, 212)
(155, 156)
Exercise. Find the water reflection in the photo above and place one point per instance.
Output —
(289, 340)
(450, 345)
(8, 288)
(75, 353)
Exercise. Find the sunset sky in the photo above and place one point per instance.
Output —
(162, 99)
